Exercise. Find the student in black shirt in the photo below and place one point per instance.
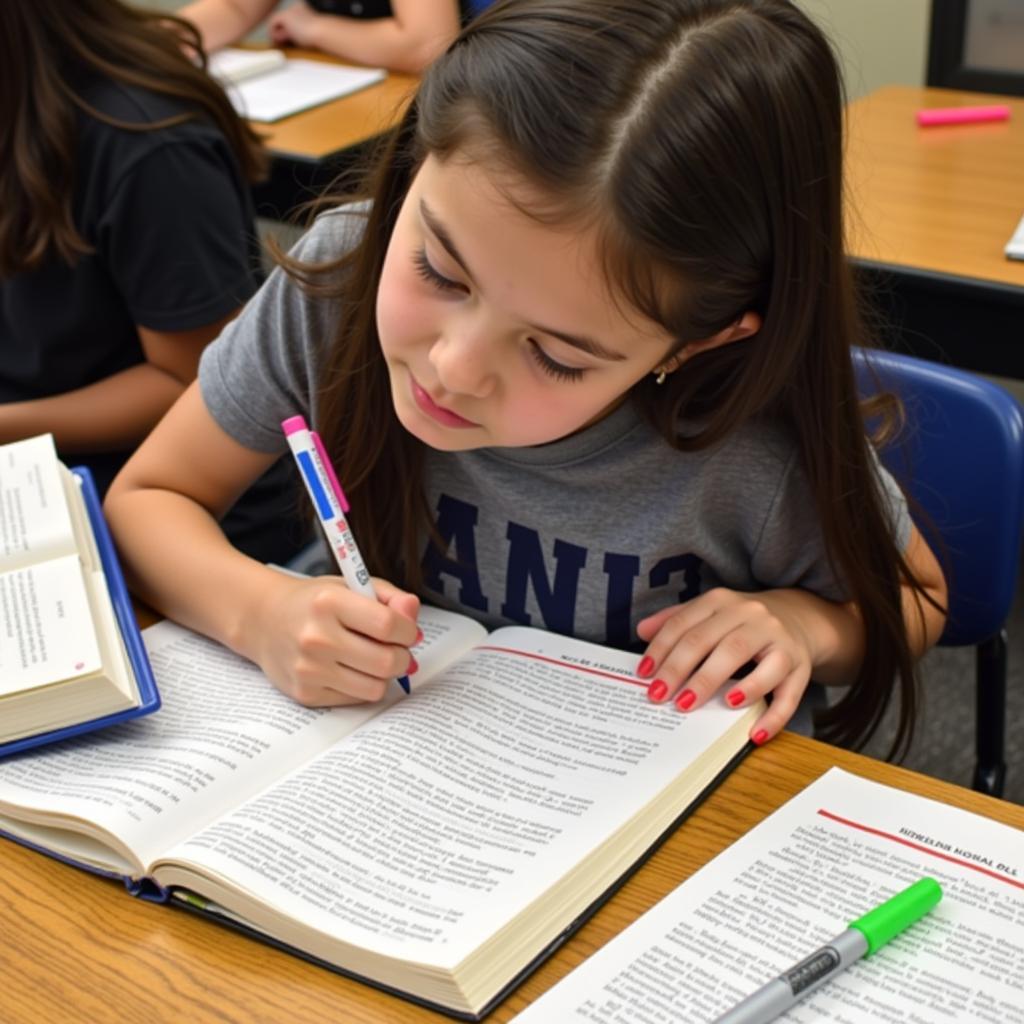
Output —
(404, 35)
(127, 237)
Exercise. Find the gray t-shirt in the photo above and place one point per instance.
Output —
(583, 536)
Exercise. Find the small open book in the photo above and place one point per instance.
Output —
(438, 846)
(71, 657)
(265, 85)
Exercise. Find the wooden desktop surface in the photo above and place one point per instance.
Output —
(942, 200)
(327, 130)
(79, 949)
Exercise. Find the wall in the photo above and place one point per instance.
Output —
(880, 42)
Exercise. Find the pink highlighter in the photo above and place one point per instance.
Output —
(934, 116)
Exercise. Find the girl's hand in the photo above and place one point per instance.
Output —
(295, 26)
(695, 648)
(324, 645)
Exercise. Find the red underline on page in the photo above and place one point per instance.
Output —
(923, 849)
(564, 664)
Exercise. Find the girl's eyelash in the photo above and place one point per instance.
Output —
(557, 370)
(552, 368)
(430, 275)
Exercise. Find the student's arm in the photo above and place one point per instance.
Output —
(793, 635)
(417, 32)
(314, 638)
(223, 22)
(116, 413)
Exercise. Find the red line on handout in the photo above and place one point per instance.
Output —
(564, 664)
(923, 849)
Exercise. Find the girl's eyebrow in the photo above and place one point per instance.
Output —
(583, 343)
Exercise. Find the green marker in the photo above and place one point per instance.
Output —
(865, 936)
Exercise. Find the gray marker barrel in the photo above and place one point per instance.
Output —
(782, 992)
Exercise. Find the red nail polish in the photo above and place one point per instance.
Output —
(419, 637)
(646, 666)
(686, 700)
(413, 666)
(735, 698)
(760, 736)
(657, 690)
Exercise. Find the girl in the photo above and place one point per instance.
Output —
(127, 237)
(404, 35)
(583, 363)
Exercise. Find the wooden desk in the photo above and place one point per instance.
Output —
(929, 211)
(311, 148)
(78, 949)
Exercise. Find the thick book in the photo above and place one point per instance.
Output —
(437, 845)
(71, 656)
(789, 886)
(265, 85)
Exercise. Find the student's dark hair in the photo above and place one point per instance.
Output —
(703, 138)
(46, 46)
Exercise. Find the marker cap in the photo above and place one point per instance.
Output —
(878, 926)
(293, 424)
(962, 115)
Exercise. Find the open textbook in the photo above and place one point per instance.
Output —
(438, 845)
(71, 656)
(265, 85)
(791, 884)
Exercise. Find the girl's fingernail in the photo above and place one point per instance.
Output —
(646, 666)
(735, 698)
(419, 637)
(413, 666)
(657, 690)
(686, 700)
(760, 736)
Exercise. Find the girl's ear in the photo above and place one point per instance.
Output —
(747, 325)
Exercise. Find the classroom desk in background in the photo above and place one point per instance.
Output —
(78, 949)
(929, 211)
(309, 149)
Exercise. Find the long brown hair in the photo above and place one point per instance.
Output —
(45, 45)
(704, 137)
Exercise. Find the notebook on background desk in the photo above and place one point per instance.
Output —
(266, 86)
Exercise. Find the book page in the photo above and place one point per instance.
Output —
(34, 519)
(793, 883)
(47, 634)
(421, 833)
(296, 86)
(222, 733)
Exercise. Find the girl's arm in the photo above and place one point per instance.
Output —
(116, 413)
(792, 635)
(223, 22)
(417, 32)
(315, 639)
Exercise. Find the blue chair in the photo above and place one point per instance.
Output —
(961, 458)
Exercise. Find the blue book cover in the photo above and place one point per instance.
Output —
(149, 697)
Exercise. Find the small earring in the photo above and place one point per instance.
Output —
(660, 377)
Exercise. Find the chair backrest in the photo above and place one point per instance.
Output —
(961, 458)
